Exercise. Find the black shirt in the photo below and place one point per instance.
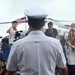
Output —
(51, 32)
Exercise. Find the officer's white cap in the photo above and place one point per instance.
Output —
(36, 13)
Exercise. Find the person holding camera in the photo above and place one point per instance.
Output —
(12, 31)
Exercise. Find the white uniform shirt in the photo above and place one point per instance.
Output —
(12, 36)
(36, 54)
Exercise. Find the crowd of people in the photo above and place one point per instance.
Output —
(38, 53)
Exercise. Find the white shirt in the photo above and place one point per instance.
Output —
(36, 54)
(70, 54)
(12, 36)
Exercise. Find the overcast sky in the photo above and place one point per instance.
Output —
(12, 9)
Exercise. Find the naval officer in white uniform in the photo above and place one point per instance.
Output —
(36, 54)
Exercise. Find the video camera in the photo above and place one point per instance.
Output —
(17, 35)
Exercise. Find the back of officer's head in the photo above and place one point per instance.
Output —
(36, 23)
(36, 17)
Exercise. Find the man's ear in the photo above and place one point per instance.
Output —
(43, 23)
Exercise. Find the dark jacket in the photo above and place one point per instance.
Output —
(51, 33)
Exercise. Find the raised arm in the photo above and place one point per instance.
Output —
(8, 31)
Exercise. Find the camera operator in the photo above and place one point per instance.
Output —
(12, 30)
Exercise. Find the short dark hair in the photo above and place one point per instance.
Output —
(5, 40)
(14, 22)
(50, 23)
(36, 23)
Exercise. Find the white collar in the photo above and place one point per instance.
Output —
(36, 32)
